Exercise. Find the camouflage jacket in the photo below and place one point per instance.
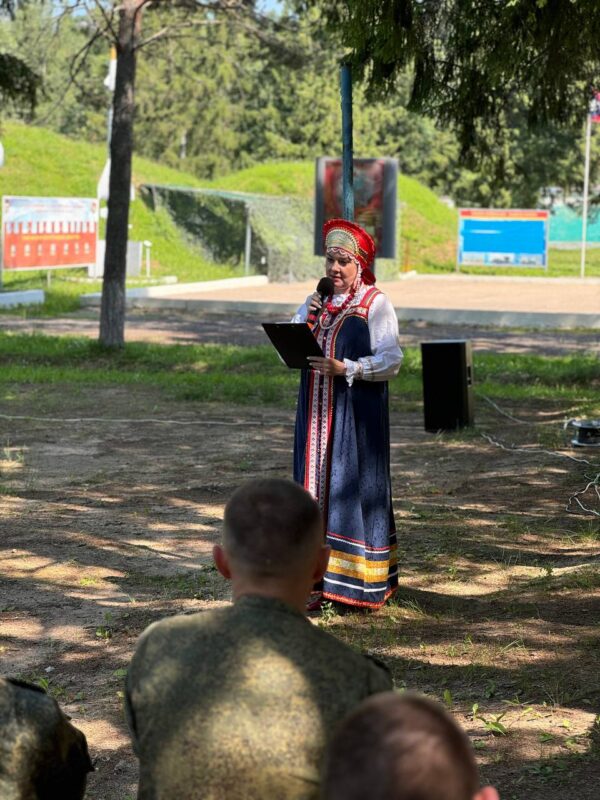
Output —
(240, 702)
(42, 756)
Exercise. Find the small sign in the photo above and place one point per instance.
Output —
(48, 232)
(503, 237)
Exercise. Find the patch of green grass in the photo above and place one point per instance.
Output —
(561, 264)
(567, 263)
(40, 162)
(193, 372)
(579, 369)
(196, 585)
(88, 581)
(572, 378)
(282, 178)
(248, 375)
(61, 296)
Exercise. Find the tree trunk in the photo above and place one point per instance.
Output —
(112, 310)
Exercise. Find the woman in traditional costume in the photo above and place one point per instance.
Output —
(342, 443)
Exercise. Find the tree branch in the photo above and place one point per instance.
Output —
(171, 31)
(107, 19)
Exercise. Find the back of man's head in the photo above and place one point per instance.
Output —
(272, 528)
(401, 747)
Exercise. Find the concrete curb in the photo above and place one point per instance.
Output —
(462, 276)
(27, 297)
(499, 319)
(183, 288)
(445, 316)
(284, 310)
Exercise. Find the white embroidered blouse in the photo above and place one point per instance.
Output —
(385, 341)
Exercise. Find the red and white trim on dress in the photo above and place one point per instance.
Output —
(320, 406)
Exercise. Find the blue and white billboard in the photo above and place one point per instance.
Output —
(503, 237)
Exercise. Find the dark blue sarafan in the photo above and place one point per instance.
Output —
(342, 457)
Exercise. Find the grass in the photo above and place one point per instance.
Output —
(247, 375)
(61, 295)
(572, 378)
(191, 372)
(561, 264)
(287, 178)
(40, 162)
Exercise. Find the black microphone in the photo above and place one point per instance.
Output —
(324, 288)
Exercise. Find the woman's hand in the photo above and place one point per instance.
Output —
(327, 366)
(314, 302)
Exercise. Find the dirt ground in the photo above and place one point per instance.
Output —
(110, 502)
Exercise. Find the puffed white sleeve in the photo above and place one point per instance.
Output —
(302, 314)
(385, 346)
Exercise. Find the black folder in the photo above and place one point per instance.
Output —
(294, 341)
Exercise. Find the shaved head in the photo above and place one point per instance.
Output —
(272, 528)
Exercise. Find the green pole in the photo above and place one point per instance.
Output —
(347, 149)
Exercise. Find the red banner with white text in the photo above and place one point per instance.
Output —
(48, 232)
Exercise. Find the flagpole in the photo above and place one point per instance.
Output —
(586, 182)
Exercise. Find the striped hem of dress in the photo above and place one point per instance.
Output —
(350, 601)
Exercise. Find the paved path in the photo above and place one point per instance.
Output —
(492, 293)
(442, 299)
(429, 307)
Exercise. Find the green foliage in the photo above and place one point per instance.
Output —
(235, 100)
(491, 724)
(214, 98)
(473, 60)
(18, 82)
(48, 43)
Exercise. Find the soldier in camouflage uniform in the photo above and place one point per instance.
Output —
(240, 702)
(42, 756)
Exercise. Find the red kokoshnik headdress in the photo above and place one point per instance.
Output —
(354, 240)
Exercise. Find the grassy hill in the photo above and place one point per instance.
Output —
(427, 227)
(40, 162)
